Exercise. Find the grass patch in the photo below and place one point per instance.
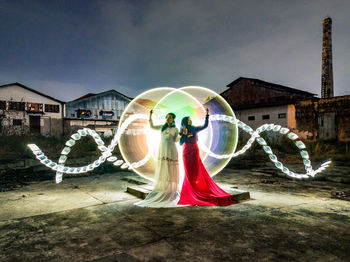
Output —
(15, 147)
(287, 152)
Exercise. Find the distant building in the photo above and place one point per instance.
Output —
(100, 111)
(24, 110)
(257, 102)
(106, 105)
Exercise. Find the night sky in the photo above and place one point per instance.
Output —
(69, 48)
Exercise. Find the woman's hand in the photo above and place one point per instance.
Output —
(150, 114)
(184, 131)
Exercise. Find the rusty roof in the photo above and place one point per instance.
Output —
(270, 86)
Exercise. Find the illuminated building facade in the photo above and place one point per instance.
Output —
(100, 112)
(108, 105)
(24, 110)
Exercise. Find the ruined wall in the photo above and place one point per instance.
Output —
(306, 119)
(340, 108)
(327, 118)
(9, 127)
(343, 130)
(51, 126)
(327, 126)
(291, 123)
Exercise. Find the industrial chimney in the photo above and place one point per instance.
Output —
(327, 63)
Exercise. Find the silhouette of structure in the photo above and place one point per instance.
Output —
(327, 89)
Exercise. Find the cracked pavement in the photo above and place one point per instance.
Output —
(93, 219)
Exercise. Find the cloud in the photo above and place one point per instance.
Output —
(132, 46)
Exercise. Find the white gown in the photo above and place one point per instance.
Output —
(166, 192)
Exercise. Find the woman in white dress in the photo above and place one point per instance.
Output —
(166, 190)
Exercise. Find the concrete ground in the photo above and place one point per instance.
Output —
(94, 219)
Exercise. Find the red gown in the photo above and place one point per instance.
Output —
(198, 187)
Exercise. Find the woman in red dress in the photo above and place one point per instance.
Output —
(198, 187)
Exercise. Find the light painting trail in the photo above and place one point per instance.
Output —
(137, 142)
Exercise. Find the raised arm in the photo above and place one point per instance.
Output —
(151, 122)
(200, 128)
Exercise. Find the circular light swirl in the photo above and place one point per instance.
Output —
(191, 101)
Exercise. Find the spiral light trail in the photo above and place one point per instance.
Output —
(106, 152)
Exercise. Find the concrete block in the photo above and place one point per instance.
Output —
(141, 191)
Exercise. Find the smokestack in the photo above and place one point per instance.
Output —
(327, 89)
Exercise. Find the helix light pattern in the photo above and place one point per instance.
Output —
(137, 142)
(106, 152)
(255, 135)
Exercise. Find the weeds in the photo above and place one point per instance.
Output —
(15, 147)
(286, 149)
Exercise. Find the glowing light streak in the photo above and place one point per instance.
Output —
(256, 136)
(107, 151)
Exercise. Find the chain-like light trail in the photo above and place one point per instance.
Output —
(255, 135)
(106, 152)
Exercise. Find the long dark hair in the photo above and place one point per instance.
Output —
(165, 126)
(184, 122)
